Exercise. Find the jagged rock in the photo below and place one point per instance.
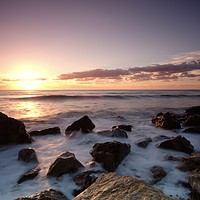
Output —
(84, 124)
(27, 155)
(166, 121)
(65, 163)
(111, 186)
(158, 173)
(85, 179)
(49, 131)
(192, 130)
(124, 127)
(30, 174)
(110, 154)
(45, 195)
(193, 110)
(118, 133)
(178, 143)
(144, 142)
(12, 131)
(192, 120)
(190, 163)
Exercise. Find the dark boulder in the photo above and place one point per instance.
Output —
(110, 154)
(124, 127)
(12, 131)
(85, 179)
(144, 142)
(30, 174)
(158, 173)
(45, 195)
(118, 133)
(192, 120)
(195, 110)
(49, 131)
(166, 121)
(192, 130)
(27, 155)
(178, 143)
(65, 163)
(84, 124)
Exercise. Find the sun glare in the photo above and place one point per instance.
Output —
(28, 80)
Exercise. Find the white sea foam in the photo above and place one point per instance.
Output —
(104, 113)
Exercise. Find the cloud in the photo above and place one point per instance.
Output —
(163, 72)
(24, 79)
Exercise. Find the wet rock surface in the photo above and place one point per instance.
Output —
(49, 131)
(65, 163)
(45, 195)
(123, 127)
(144, 142)
(12, 131)
(157, 173)
(166, 121)
(85, 179)
(110, 154)
(84, 124)
(30, 174)
(111, 186)
(178, 143)
(118, 133)
(27, 155)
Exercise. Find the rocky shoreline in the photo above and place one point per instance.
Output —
(109, 155)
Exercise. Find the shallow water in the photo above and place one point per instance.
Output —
(44, 109)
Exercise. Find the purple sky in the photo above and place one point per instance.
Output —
(67, 36)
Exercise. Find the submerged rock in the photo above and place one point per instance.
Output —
(65, 163)
(166, 121)
(118, 133)
(110, 154)
(123, 127)
(27, 155)
(84, 124)
(49, 131)
(30, 174)
(111, 186)
(85, 179)
(158, 173)
(178, 143)
(12, 131)
(45, 195)
(144, 142)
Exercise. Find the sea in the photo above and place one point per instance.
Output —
(45, 109)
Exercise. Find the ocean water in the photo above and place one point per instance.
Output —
(44, 109)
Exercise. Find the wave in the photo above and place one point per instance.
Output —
(107, 96)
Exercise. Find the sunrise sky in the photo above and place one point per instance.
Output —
(105, 44)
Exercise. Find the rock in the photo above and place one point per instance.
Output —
(158, 173)
(123, 127)
(192, 130)
(45, 195)
(178, 143)
(192, 120)
(85, 179)
(166, 121)
(111, 186)
(118, 133)
(49, 131)
(160, 137)
(190, 163)
(27, 155)
(110, 154)
(12, 131)
(31, 174)
(144, 142)
(193, 110)
(65, 163)
(84, 124)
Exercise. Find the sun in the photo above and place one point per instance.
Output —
(28, 80)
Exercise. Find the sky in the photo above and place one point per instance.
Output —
(106, 44)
